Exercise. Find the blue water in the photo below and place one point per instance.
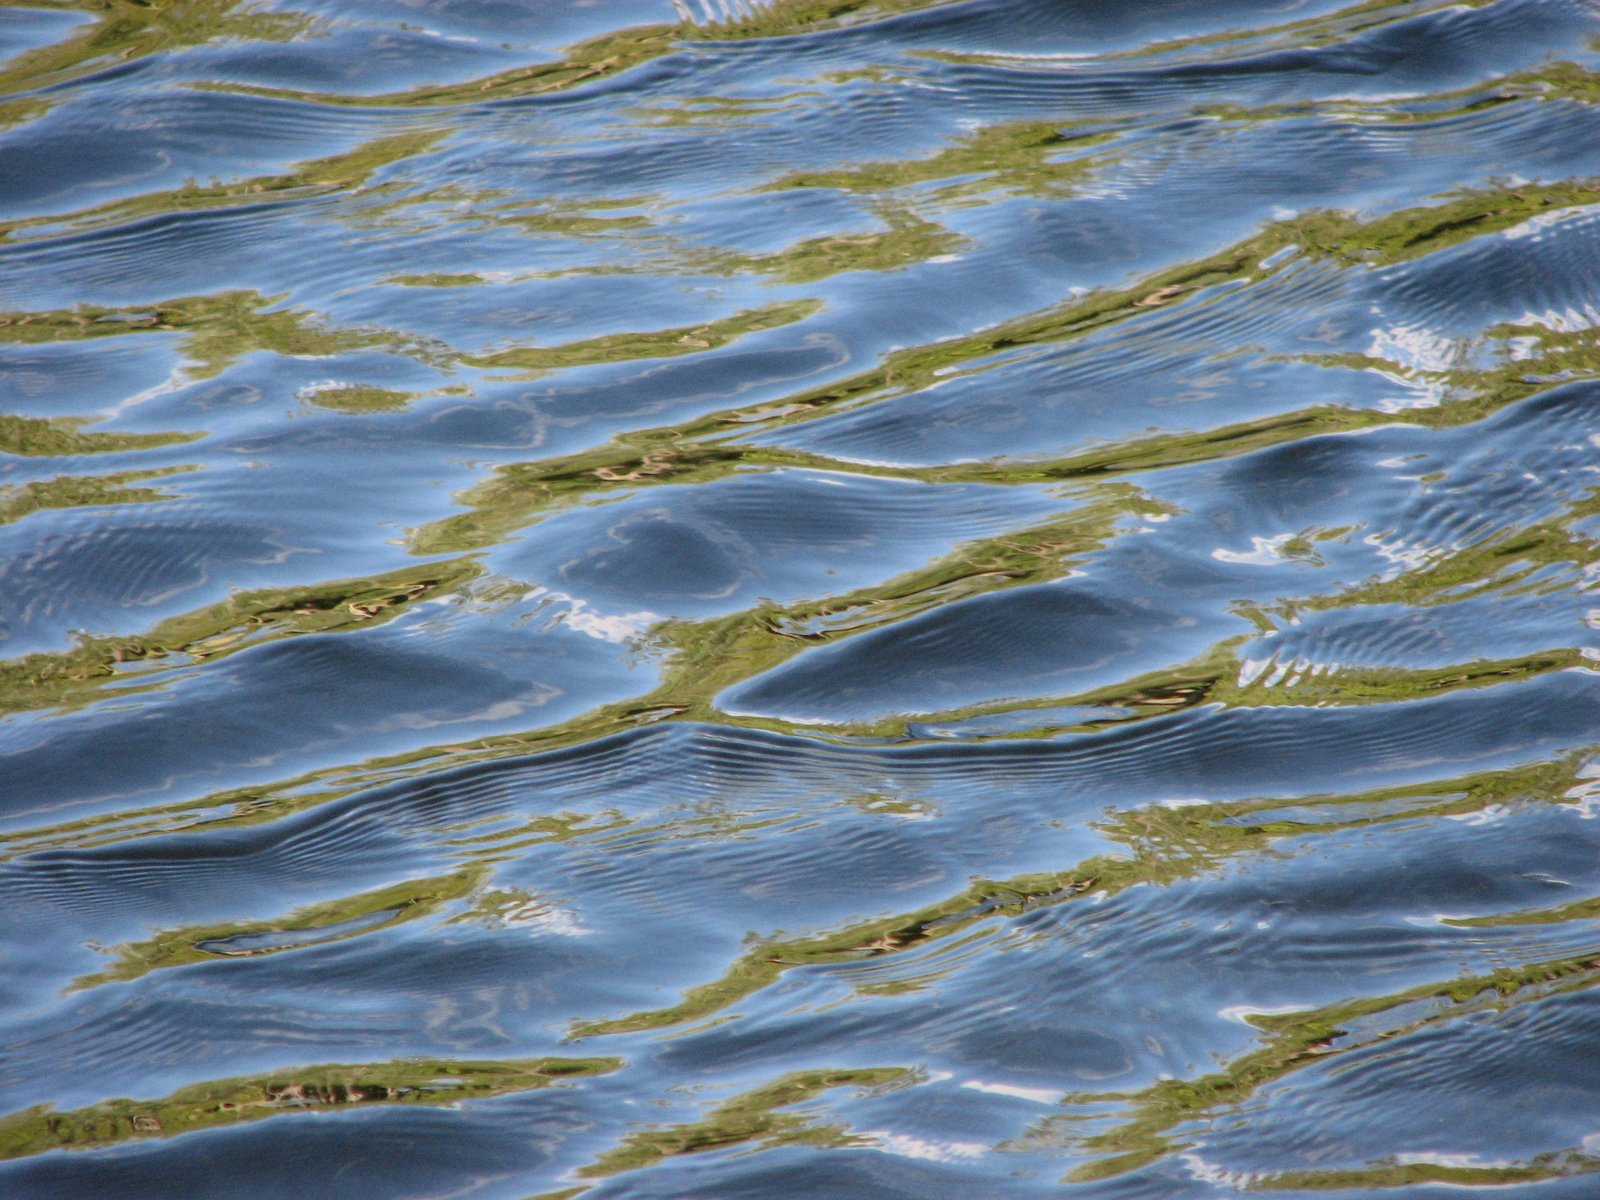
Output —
(799, 599)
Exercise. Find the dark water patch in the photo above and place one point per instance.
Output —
(948, 657)
(775, 537)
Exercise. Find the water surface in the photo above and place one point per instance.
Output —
(831, 599)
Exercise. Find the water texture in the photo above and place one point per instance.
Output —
(826, 598)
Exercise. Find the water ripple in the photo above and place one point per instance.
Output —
(858, 598)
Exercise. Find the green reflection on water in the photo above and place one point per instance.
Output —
(123, 31)
(358, 398)
(316, 924)
(1162, 846)
(706, 447)
(65, 437)
(71, 678)
(84, 491)
(345, 172)
(750, 1118)
(1019, 156)
(1552, 1164)
(435, 1082)
(217, 330)
(1298, 1040)
(664, 343)
(702, 657)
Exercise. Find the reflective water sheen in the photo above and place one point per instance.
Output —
(829, 598)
